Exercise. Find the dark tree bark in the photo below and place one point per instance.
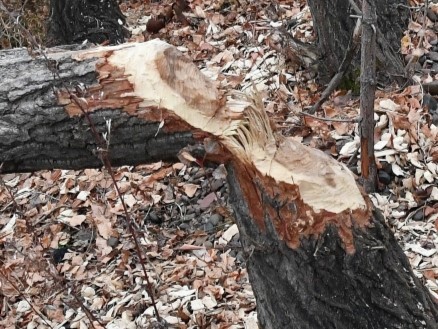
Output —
(37, 133)
(320, 285)
(334, 28)
(73, 21)
(318, 255)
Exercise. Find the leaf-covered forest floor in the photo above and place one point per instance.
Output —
(62, 233)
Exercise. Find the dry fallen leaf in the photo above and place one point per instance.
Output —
(190, 189)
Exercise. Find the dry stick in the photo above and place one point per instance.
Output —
(355, 120)
(81, 103)
(426, 7)
(107, 163)
(353, 47)
(24, 297)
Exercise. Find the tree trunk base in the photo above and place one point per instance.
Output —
(320, 285)
(73, 21)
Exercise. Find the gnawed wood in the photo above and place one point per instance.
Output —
(168, 84)
(308, 231)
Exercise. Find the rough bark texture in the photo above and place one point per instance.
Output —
(334, 27)
(318, 257)
(73, 21)
(319, 285)
(37, 133)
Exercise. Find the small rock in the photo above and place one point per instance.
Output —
(58, 254)
(431, 15)
(217, 184)
(215, 219)
(433, 55)
(185, 226)
(224, 190)
(384, 177)
(435, 118)
(84, 235)
(199, 174)
(417, 67)
(189, 217)
(236, 239)
(153, 218)
(240, 258)
(434, 68)
(430, 103)
(208, 227)
(418, 216)
(112, 241)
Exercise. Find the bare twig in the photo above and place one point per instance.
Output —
(329, 119)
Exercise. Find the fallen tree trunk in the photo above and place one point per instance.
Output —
(37, 133)
(318, 255)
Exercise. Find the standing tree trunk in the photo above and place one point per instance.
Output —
(73, 21)
(334, 28)
(318, 254)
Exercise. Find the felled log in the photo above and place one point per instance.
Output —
(318, 254)
(40, 127)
